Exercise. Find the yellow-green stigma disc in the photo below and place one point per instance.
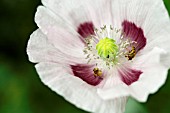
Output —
(107, 48)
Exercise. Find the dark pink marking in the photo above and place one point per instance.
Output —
(129, 76)
(135, 34)
(85, 72)
(86, 29)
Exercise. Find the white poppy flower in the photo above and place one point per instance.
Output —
(97, 53)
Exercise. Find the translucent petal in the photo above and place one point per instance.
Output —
(80, 11)
(39, 49)
(150, 15)
(153, 77)
(59, 78)
(57, 32)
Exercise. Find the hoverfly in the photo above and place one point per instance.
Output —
(131, 54)
(97, 72)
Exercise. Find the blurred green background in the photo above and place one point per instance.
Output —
(20, 88)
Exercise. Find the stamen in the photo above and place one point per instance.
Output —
(109, 47)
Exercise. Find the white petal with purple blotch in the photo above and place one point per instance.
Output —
(58, 77)
(150, 15)
(65, 40)
(153, 77)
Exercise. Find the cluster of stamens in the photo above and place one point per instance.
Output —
(108, 46)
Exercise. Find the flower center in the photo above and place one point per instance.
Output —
(107, 48)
